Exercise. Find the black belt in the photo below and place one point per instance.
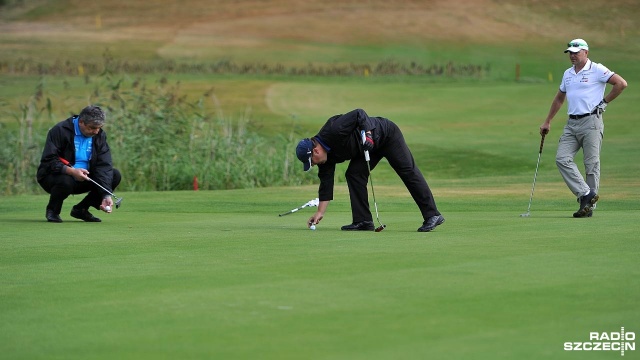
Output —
(583, 115)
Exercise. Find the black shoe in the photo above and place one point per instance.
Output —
(53, 217)
(363, 225)
(431, 223)
(587, 204)
(579, 214)
(83, 214)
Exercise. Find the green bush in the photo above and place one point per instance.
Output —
(159, 141)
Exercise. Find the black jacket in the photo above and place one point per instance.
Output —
(60, 143)
(343, 141)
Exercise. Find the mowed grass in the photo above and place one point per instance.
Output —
(218, 274)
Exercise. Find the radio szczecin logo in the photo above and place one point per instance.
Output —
(605, 341)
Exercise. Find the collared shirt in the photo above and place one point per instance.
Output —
(327, 148)
(82, 146)
(585, 89)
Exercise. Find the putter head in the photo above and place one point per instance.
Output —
(380, 228)
(118, 202)
(525, 215)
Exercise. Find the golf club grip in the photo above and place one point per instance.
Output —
(542, 142)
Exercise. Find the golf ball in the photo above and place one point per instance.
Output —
(312, 227)
(107, 208)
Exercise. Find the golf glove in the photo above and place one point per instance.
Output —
(367, 144)
(600, 108)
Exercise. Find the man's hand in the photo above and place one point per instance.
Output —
(544, 128)
(367, 144)
(107, 201)
(315, 219)
(600, 108)
(78, 174)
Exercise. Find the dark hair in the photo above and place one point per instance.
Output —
(92, 115)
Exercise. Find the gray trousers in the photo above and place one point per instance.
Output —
(585, 133)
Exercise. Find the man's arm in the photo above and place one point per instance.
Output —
(619, 84)
(102, 164)
(556, 104)
(363, 121)
(322, 207)
(51, 152)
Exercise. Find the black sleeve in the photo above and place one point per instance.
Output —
(363, 120)
(326, 174)
(51, 153)
(103, 168)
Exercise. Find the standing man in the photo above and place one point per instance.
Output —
(583, 84)
(340, 140)
(81, 141)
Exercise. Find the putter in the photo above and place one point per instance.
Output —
(528, 213)
(375, 204)
(313, 202)
(118, 200)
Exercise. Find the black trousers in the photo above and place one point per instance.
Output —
(61, 186)
(395, 150)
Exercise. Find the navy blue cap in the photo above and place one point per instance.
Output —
(304, 150)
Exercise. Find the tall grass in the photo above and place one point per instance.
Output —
(20, 146)
(160, 140)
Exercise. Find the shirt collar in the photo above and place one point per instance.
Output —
(586, 66)
(77, 128)
(323, 144)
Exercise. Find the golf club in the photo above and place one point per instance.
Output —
(528, 213)
(313, 202)
(375, 204)
(118, 200)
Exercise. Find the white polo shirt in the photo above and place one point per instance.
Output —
(585, 89)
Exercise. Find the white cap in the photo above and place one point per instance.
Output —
(576, 45)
